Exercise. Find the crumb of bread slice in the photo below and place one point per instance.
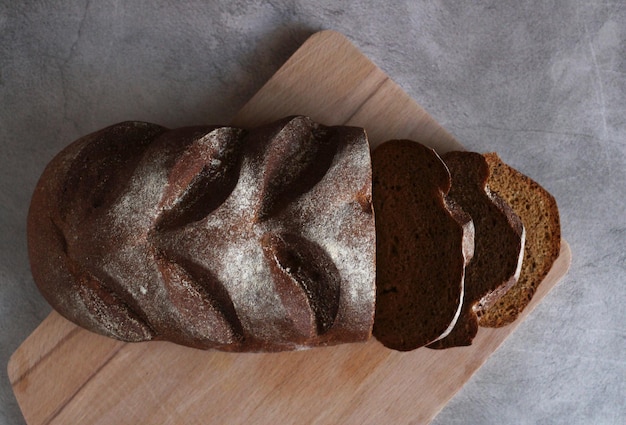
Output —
(498, 249)
(424, 241)
(539, 213)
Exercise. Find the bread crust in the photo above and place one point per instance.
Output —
(212, 237)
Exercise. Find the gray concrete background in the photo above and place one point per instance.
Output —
(541, 82)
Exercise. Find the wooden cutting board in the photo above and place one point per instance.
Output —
(63, 374)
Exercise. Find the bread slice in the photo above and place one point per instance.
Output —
(423, 243)
(498, 249)
(540, 215)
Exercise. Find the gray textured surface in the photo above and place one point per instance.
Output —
(541, 82)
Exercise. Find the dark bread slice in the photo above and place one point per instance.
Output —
(423, 243)
(540, 215)
(498, 249)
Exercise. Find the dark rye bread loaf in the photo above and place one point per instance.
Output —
(211, 237)
(498, 243)
(423, 243)
(540, 215)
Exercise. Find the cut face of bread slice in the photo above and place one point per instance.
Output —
(498, 248)
(423, 243)
(540, 215)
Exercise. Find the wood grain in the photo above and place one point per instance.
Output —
(63, 374)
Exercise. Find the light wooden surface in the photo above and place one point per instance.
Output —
(63, 374)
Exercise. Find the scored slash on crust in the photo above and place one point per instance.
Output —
(306, 279)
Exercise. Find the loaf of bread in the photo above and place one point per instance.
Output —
(498, 243)
(263, 239)
(423, 243)
(539, 213)
(211, 237)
